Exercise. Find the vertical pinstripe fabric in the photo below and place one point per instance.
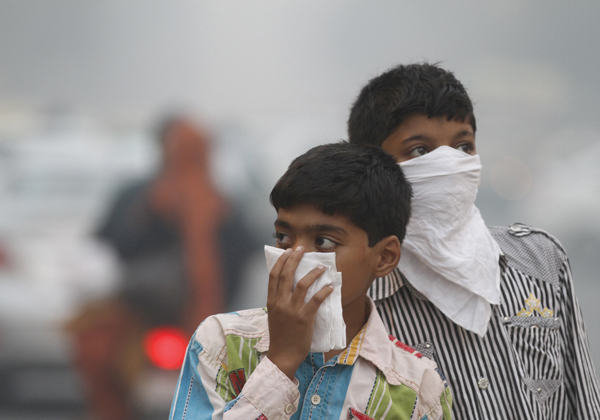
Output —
(530, 366)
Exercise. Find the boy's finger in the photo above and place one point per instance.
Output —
(313, 304)
(276, 273)
(304, 284)
(286, 278)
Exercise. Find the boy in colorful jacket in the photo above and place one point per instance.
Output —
(257, 364)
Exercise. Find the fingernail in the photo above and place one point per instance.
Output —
(287, 251)
(320, 267)
(300, 248)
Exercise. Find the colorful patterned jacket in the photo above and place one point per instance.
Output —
(226, 374)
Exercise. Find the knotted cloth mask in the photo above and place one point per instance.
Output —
(449, 254)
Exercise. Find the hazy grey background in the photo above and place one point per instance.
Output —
(81, 82)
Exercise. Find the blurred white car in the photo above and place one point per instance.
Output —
(54, 186)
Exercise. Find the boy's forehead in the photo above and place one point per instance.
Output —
(423, 125)
(310, 215)
(418, 119)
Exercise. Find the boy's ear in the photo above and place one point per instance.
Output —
(389, 255)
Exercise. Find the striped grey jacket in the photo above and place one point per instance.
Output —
(534, 361)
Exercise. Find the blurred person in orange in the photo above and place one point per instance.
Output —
(169, 234)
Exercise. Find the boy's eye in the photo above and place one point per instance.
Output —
(325, 243)
(283, 240)
(418, 151)
(466, 147)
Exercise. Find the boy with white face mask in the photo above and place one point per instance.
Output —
(494, 307)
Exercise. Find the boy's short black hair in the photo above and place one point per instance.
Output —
(364, 184)
(405, 90)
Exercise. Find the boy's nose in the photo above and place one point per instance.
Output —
(305, 244)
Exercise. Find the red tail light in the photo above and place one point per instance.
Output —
(165, 347)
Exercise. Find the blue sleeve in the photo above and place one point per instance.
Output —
(195, 395)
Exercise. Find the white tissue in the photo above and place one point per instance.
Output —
(329, 331)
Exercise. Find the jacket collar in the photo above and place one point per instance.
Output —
(384, 287)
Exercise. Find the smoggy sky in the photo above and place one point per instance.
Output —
(244, 60)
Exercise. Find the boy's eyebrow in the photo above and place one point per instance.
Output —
(313, 228)
(282, 223)
(415, 137)
(464, 133)
(326, 228)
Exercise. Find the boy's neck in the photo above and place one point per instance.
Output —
(355, 317)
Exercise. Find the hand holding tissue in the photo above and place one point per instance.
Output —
(329, 331)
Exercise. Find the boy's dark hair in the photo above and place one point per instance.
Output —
(364, 184)
(388, 99)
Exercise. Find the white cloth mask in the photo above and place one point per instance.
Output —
(329, 331)
(449, 254)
